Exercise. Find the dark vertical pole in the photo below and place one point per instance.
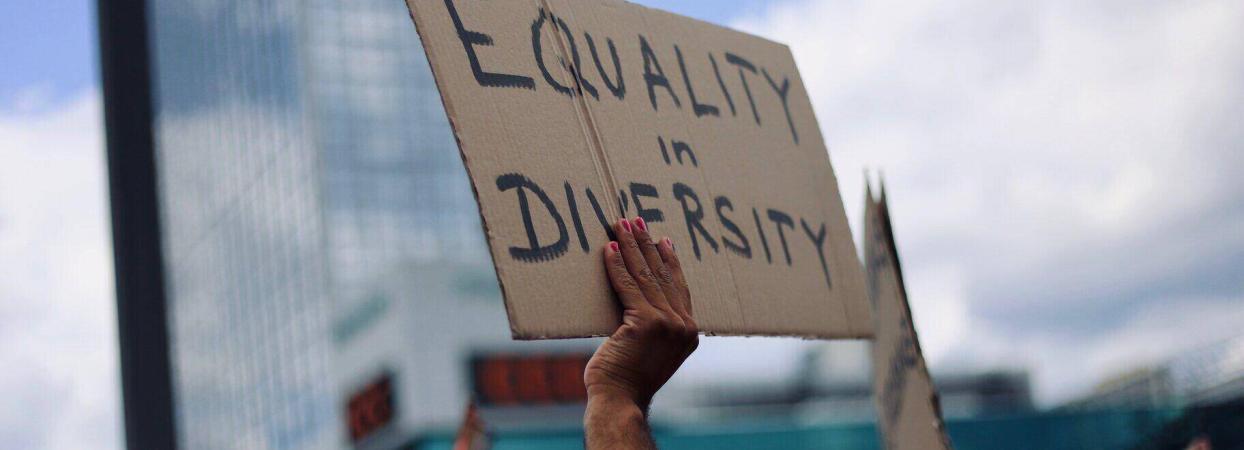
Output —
(142, 318)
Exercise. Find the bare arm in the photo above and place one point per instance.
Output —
(657, 334)
(611, 423)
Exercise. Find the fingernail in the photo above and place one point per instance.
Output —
(613, 245)
(626, 225)
(639, 222)
(668, 242)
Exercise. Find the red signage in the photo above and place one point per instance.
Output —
(370, 408)
(526, 380)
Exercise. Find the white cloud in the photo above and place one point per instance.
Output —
(31, 99)
(943, 312)
(57, 316)
(1065, 176)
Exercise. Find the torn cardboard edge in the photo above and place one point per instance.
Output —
(897, 432)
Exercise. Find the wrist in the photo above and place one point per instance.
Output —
(613, 405)
(613, 421)
(617, 396)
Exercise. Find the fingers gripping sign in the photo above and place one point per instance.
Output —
(634, 243)
(658, 331)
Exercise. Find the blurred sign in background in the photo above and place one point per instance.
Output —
(1065, 180)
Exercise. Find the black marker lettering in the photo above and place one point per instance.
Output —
(654, 79)
(818, 239)
(623, 203)
(472, 38)
(665, 154)
(534, 252)
(577, 68)
(783, 93)
(693, 217)
(742, 248)
(574, 215)
(764, 242)
(537, 48)
(722, 83)
(646, 190)
(618, 90)
(701, 109)
(901, 360)
(681, 148)
(600, 215)
(780, 218)
(745, 64)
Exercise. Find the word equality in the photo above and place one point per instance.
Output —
(655, 79)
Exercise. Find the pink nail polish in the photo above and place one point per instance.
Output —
(613, 245)
(639, 222)
(670, 243)
(626, 225)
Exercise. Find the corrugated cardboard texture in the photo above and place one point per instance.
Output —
(907, 405)
(570, 114)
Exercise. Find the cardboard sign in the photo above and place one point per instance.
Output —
(907, 404)
(570, 114)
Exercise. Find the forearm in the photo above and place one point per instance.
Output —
(614, 422)
(655, 336)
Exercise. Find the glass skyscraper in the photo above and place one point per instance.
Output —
(237, 169)
(393, 185)
(301, 157)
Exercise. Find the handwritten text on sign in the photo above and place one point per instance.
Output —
(572, 114)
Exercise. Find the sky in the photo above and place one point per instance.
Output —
(1065, 177)
(49, 50)
(1066, 182)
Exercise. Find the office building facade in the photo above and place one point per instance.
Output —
(272, 164)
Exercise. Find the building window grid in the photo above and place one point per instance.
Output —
(238, 173)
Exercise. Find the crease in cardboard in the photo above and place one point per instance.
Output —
(587, 121)
(600, 156)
